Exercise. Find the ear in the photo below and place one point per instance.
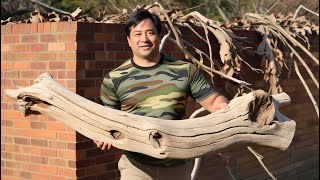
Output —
(128, 39)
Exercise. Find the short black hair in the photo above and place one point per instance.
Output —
(139, 16)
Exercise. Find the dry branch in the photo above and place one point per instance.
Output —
(251, 119)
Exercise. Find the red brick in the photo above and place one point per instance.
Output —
(7, 172)
(71, 65)
(30, 38)
(22, 83)
(38, 47)
(70, 37)
(46, 27)
(6, 139)
(38, 125)
(23, 141)
(39, 151)
(15, 29)
(57, 144)
(11, 39)
(20, 47)
(5, 47)
(54, 26)
(40, 176)
(29, 56)
(67, 172)
(6, 155)
(29, 74)
(57, 162)
(103, 37)
(25, 175)
(57, 126)
(57, 65)
(61, 26)
(6, 123)
(95, 47)
(70, 26)
(47, 56)
(5, 65)
(34, 28)
(3, 30)
(56, 46)
(21, 124)
(39, 159)
(71, 146)
(38, 133)
(27, 28)
(12, 164)
(71, 46)
(98, 169)
(48, 38)
(66, 136)
(50, 170)
(38, 65)
(67, 56)
(40, 27)
(40, 142)
(8, 28)
(11, 74)
(11, 114)
(22, 65)
(20, 28)
(22, 157)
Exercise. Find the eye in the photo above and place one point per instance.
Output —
(151, 33)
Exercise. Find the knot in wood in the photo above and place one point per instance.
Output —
(116, 134)
(155, 137)
(262, 110)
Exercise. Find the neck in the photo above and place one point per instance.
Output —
(143, 62)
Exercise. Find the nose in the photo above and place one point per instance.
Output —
(144, 37)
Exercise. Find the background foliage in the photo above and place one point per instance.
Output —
(220, 10)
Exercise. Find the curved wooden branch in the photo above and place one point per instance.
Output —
(251, 119)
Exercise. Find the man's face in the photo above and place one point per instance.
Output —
(144, 40)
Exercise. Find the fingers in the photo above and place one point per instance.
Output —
(223, 106)
(103, 145)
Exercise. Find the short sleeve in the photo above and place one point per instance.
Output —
(108, 96)
(200, 89)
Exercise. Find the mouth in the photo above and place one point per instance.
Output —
(145, 47)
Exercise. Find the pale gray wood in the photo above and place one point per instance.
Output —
(251, 119)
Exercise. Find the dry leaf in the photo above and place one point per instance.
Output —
(53, 17)
(76, 13)
(36, 17)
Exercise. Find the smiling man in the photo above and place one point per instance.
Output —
(154, 85)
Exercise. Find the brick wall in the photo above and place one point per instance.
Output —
(78, 55)
(36, 147)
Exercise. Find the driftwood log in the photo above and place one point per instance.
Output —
(251, 119)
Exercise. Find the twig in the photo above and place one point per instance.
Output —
(252, 68)
(302, 6)
(315, 105)
(222, 14)
(197, 161)
(164, 39)
(301, 61)
(50, 7)
(209, 70)
(272, 6)
(225, 160)
(260, 157)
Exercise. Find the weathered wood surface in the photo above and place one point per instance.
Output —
(251, 119)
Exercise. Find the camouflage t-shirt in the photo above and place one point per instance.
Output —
(159, 91)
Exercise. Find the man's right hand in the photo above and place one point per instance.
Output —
(103, 145)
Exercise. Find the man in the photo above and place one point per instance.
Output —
(151, 84)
